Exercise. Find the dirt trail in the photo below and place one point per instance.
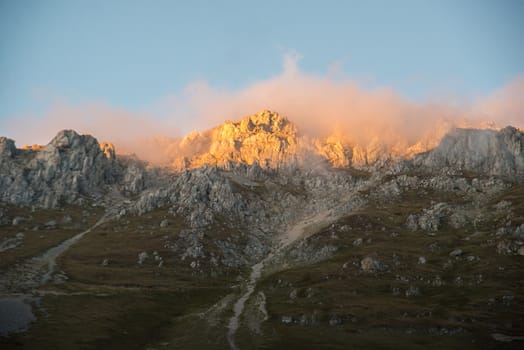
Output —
(18, 285)
(37, 271)
(302, 229)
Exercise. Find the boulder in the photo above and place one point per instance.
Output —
(369, 264)
(456, 253)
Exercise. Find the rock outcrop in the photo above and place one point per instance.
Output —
(272, 141)
(265, 138)
(487, 152)
(256, 193)
(263, 148)
(7, 149)
(69, 167)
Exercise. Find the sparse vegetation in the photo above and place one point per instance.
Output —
(272, 255)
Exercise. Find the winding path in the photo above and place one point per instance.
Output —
(18, 284)
(36, 271)
(302, 229)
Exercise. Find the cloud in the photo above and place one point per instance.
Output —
(506, 106)
(105, 122)
(318, 104)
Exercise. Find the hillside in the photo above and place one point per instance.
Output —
(254, 235)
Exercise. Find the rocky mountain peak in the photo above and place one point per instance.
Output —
(72, 165)
(69, 166)
(266, 121)
(481, 151)
(265, 138)
(68, 138)
(271, 140)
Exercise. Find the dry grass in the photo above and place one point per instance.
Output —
(125, 305)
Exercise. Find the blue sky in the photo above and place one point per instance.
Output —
(131, 54)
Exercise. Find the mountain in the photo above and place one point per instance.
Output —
(74, 167)
(65, 171)
(480, 151)
(272, 141)
(254, 235)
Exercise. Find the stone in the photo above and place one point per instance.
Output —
(51, 224)
(421, 260)
(335, 320)
(142, 257)
(67, 219)
(19, 220)
(504, 247)
(456, 253)
(369, 264)
(287, 319)
(507, 299)
(521, 251)
(293, 294)
(164, 223)
(11, 243)
(519, 231)
(412, 291)
(437, 282)
(412, 222)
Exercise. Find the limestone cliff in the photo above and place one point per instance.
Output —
(488, 152)
(73, 167)
(70, 166)
(272, 141)
(265, 138)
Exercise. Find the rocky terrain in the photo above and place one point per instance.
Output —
(253, 235)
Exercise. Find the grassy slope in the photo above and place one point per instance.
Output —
(123, 305)
(373, 307)
(38, 238)
(127, 306)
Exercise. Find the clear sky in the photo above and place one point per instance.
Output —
(131, 54)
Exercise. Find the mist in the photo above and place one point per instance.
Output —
(318, 104)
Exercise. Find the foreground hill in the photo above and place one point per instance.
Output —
(257, 236)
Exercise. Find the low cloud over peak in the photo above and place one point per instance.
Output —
(317, 104)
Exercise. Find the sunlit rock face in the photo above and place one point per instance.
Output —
(272, 141)
(336, 149)
(72, 166)
(375, 150)
(108, 149)
(33, 147)
(265, 138)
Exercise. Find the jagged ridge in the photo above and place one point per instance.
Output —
(74, 166)
(272, 141)
(70, 167)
